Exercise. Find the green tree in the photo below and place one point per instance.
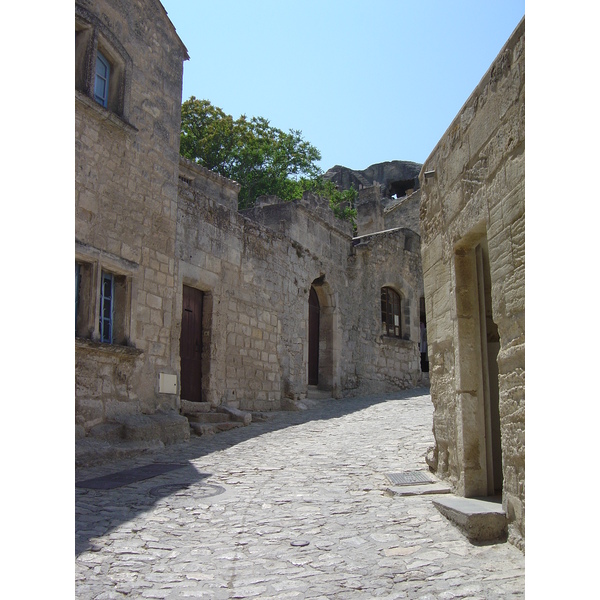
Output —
(260, 157)
(263, 159)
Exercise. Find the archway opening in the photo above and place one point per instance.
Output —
(314, 318)
(322, 350)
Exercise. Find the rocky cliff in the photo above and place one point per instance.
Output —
(397, 177)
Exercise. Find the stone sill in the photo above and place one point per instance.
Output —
(105, 114)
(394, 341)
(83, 344)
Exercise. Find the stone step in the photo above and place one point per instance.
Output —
(192, 408)
(419, 490)
(314, 393)
(212, 428)
(480, 519)
(211, 417)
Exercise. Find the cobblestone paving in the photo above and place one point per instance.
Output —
(293, 507)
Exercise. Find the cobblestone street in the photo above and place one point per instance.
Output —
(291, 507)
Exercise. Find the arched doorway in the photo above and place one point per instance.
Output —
(314, 318)
(323, 338)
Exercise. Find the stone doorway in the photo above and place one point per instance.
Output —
(479, 444)
(191, 344)
(323, 353)
(490, 346)
(314, 314)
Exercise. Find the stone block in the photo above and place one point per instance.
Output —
(479, 519)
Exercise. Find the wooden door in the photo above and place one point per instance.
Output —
(191, 345)
(314, 313)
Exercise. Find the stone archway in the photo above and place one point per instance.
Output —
(314, 320)
(323, 344)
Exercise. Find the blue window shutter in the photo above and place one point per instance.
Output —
(102, 80)
(107, 307)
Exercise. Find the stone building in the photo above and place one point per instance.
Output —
(128, 73)
(182, 298)
(473, 249)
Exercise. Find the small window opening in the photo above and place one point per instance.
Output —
(102, 80)
(390, 312)
(107, 306)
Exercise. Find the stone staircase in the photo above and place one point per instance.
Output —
(204, 419)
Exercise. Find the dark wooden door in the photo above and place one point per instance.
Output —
(314, 313)
(191, 345)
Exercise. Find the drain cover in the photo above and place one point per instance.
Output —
(115, 480)
(409, 478)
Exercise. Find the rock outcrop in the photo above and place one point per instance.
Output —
(397, 177)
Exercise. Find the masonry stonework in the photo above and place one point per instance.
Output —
(127, 160)
(259, 266)
(473, 249)
(182, 300)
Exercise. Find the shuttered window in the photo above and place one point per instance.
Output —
(390, 312)
(102, 80)
(107, 307)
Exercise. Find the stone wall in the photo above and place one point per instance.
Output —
(473, 249)
(404, 212)
(167, 230)
(127, 161)
(386, 259)
(257, 268)
(377, 212)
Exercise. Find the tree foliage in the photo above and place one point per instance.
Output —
(263, 159)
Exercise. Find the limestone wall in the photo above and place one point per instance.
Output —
(390, 259)
(376, 212)
(127, 160)
(404, 212)
(473, 249)
(158, 225)
(257, 269)
(258, 281)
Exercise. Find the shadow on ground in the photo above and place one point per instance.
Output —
(114, 493)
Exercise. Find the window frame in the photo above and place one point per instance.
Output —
(103, 315)
(107, 305)
(391, 312)
(94, 39)
(104, 78)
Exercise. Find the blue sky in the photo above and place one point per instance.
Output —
(365, 82)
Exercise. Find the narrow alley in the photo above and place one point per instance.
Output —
(295, 506)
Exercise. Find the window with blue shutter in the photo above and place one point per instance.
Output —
(102, 80)
(107, 305)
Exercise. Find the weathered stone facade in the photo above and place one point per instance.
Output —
(127, 162)
(473, 249)
(182, 297)
(257, 268)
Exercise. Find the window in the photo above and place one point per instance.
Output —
(102, 65)
(107, 296)
(102, 304)
(114, 308)
(102, 79)
(390, 312)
